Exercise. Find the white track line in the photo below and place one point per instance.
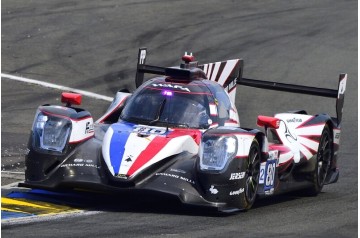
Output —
(41, 218)
(55, 86)
(11, 185)
(12, 172)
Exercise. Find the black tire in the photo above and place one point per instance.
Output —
(323, 162)
(252, 175)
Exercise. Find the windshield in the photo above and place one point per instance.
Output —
(166, 106)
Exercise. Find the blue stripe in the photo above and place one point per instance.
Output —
(9, 215)
(70, 198)
(117, 144)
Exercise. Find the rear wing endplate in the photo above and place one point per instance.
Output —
(142, 68)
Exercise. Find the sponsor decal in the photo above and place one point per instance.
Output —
(164, 85)
(294, 120)
(274, 154)
(237, 192)
(262, 172)
(79, 160)
(89, 128)
(142, 57)
(342, 86)
(267, 174)
(122, 176)
(269, 192)
(176, 176)
(92, 165)
(213, 190)
(289, 135)
(80, 165)
(231, 84)
(178, 171)
(71, 165)
(237, 176)
(129, 158)
(149, 130)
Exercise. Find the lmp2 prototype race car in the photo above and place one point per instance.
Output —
(179, 134)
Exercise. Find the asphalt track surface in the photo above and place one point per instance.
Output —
(92, 45)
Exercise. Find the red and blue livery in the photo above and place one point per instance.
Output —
(179, 134)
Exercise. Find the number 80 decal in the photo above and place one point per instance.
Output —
(267, 174)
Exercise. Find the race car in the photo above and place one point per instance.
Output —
(179, 134)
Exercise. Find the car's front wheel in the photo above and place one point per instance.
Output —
(252, 174)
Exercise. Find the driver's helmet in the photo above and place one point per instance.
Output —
(195, 115)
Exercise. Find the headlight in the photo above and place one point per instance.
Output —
(215, 152)
(51, 133)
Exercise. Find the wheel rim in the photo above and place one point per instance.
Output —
(324, 158)
(253, 172)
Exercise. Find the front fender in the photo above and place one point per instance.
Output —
(226, 184)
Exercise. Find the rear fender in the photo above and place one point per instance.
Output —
(302, 134)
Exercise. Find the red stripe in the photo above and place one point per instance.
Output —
(220, 71)
(146, 155)
(281, 148)
(309, 149)
(241, 157)
(302, 124)
(176, 91)
(314, 138)
(232, 71)
(65, 117)
(230, 90)
(232, 121)
(194, 133)
(317, 124)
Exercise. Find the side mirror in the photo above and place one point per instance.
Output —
(71, 98)
(271, 122)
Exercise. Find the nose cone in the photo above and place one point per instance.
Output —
(129, 149)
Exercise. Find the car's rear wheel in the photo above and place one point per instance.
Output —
(252, 174)
(323, 162)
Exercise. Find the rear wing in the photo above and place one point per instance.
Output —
(339, 94)
(229, 74)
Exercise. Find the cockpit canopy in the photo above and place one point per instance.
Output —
(163, 101)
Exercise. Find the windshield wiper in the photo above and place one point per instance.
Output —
(161, 109)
